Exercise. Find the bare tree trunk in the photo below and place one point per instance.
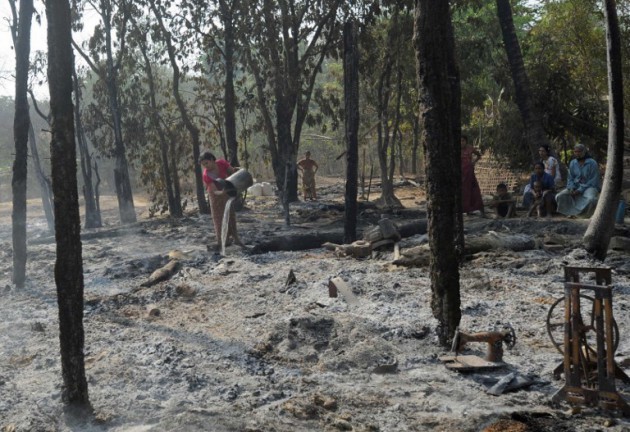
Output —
(385, 141)
(68, 266)
(109, 75)
(21, 125)
(276, 63)
(174, 204)
(434, 44)
(92, 209)
(192, 129)
(122, 179)
(455, 119)
(227, 15)
(600, 229)
(44, 182)
(531, 117)
(351, 102)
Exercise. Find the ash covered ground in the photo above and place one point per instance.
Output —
(227, 345)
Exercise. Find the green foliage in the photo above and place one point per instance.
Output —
(489, 115)
(568, 66)
(563, 44)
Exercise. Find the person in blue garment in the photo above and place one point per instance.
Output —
(583, 185)
(541, 200)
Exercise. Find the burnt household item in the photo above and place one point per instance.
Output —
(589, 343)
(236, 183)
(494, 356)
(494, 339)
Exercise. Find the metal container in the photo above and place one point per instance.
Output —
(237, 182)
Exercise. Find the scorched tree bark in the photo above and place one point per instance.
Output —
(68, 265)
(351, 99)
(434, 45)
(21, 125)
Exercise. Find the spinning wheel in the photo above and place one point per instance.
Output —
(590, 337)
(555, 325)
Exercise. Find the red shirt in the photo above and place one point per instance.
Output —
(222, 167)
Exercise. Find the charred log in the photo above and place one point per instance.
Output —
(316, 239)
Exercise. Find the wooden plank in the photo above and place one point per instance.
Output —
(469, 363)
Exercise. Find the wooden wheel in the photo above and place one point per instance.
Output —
(555, 324)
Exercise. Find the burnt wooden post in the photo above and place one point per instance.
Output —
(351, 99)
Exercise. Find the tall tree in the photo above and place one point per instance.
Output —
(601, 227)
(434, 44)
(159, 9)
(285, 51)
(44, 181)
(217, 24)
(388, 99)
(90, 194)
(172, 193)
(68, 265)
(108, 71)
(531, 116)
(228, 11)
(351, 101)
(21, 125)
(388, 82)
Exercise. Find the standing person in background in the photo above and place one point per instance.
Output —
(213, 170)
(471, 193)
(308, 167)
(583, 185)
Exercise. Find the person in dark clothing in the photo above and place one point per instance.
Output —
(542, 200)
(503, 202)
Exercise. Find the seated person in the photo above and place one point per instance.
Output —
(547, 190)
(544, 201)
(503, 202)
(583, 185)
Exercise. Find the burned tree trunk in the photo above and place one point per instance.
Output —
(21, 125)
(68, 266)
(44, 182)
(601, 227)
(174, 203)
(192, 129)
(92, 210)
(434, 45)
(122, 180)
(229, 97)
(386, 113)
(351, 98)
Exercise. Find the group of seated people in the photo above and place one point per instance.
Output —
(579, 198)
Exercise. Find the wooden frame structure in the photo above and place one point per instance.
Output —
(581, 387)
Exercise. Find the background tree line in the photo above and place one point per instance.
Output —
(162, 79)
